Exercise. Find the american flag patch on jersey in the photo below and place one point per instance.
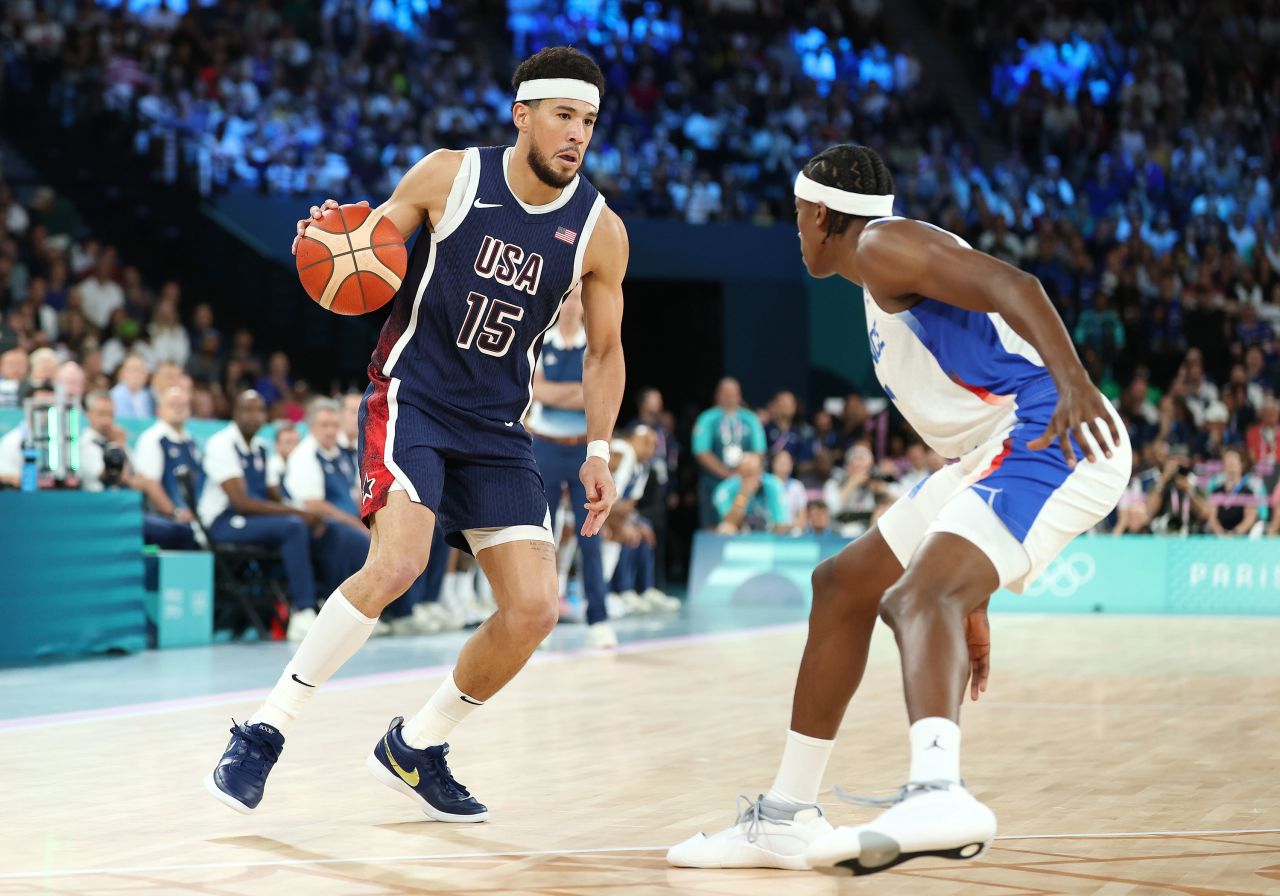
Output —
(565, 235)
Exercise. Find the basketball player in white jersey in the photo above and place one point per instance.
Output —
(973, 354)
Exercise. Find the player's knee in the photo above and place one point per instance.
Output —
(909, 599)
(898, 603)
(533, 618)
(393, 576)
(823, 582)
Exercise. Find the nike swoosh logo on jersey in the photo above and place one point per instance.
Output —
(295, 677)
(480, 204)
(508, 424)
(465, 698)
(410, 778)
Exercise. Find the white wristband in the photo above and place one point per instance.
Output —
(599, 448)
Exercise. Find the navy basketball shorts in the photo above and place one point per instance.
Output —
(484, 488)
(1019, 507)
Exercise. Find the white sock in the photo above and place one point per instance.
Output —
(935, 750)
(338, 632)
(432, 725)
(804, 762)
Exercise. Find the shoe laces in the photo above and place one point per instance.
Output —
(258, 754)
(750, 816)
(440, 771)
(905, 792)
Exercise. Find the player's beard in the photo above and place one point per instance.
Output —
(545, 173)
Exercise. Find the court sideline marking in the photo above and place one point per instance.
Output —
(517, 854)
(355, 682)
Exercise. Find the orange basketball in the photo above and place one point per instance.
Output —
(352, 260)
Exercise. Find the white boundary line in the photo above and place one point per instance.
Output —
(516, 854)
(355, 682)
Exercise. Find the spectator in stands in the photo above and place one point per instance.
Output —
(13, 371)
(794, 493)
(635, 574)
(1099, 328)
(1211, 440)
(42, 367)
(1174, 503)
(722, 435)
(786, 432)
(131, 395)
(851, 491)
(1234, 498)
(169, 340)
(287, 439)
(104, 453)
(1263, 437)
(751, 500)
(321, 479)
(917, 471)
(236, 505)
(126, 339)
(276, 384)
(205, 366)
(162, 454)
(100, 295)
(817, 518)
(349, 427)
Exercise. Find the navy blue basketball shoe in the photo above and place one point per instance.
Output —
(241, 774)
(423, 776)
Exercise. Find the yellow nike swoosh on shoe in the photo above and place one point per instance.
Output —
(410, 778)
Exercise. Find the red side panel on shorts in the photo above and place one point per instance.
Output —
(997, 460)
(375, 478)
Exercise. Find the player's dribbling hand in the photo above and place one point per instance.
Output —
(317, 211)
(1081, 412)
(977, 635)
(601, 493)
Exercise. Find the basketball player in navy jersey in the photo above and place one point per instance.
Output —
(973, 354)
(507, 233)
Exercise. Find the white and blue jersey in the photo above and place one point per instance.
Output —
(228, 456)
(314, 474)
(561, 362)
(451, 378)
(161, 452)
(977, 392)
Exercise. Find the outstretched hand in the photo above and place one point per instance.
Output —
(601, 493)
(977, 635)
(1081, 412)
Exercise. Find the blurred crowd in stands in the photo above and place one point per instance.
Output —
(275, 98)
(1136, 175)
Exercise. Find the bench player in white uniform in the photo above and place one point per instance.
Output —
(974, 356)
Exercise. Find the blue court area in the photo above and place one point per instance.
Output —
(168, 679)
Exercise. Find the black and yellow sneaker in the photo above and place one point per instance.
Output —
(424, 777)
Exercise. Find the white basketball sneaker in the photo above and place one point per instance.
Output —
(928, 818)
(766, 835)
(601, 636)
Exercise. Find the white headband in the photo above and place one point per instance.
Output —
(837, 200)
(550, 88)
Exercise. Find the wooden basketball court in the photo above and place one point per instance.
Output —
(1122, 756)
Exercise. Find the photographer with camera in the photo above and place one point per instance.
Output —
(162, 452)
(104, 460)
(1174, 503)
(853, 491)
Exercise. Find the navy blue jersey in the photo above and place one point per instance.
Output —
(481, 292)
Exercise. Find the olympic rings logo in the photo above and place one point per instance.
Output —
(1065, 576)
